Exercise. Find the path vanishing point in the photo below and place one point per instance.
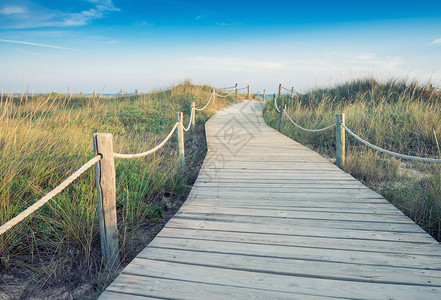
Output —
(268, 218)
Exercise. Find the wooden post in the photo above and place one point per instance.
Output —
(213, 92)
(94, 93)
(280, 91)
(180, 141)
(122, 92)
(292, 94)
(236, 91)
(106, 195)
(282, 116)
(264, 95)
(193, 113)
(248, 96)
(340, 142)
(136, 92)
(274, 99)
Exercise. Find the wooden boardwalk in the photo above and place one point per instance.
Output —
(270, 219)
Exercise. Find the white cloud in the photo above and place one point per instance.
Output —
(200, 17)
(35, 44)
(10, 10)
(35, 15)
(436, 42)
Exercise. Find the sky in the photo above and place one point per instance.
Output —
(86, 45)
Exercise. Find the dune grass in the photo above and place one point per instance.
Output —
(44, 139)
(395, 115)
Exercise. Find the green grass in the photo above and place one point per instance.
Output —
(396, 115)
(44, 139)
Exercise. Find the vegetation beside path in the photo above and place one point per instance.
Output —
(396, 115)
(43, 139)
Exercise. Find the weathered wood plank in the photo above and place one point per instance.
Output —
(399, 218)
(126, 285)
(334, 270)
(288, 229)
(399, 260)
(400, 248)
(282, 283)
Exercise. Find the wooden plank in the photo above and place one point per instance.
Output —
(282, 283)
(126, 285)
(333, 207)
(316, 224)
(398, 260)
(119, 294)
(299, 231)
(304, 194)
(292, 214)
(323, 243)
(335, 270)
(281, 187)
(297, 183)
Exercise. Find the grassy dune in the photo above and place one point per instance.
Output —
(395, 115)
(46, 138)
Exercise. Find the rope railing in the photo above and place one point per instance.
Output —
(142, 154)
(340, 137)
(275, 103)
(224, 96)
(306, 129)
(211, 97)
(105, 179)
(190, 122)
(404, 156)
(20, 217)
(244, 88)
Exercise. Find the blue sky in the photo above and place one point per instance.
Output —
(87, 45)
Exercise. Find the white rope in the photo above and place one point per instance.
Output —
(309, 130)
(224, 96)
(424, 159)
(242, 88)
(14, 221)
(137, 155)
(189, 122)
(199, 109)
(275, 104)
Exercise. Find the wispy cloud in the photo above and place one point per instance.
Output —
(86, 16)
(200, 17)
(10, 10)
(227, 24)
(35, 44)
(435, 42)
(34, 15)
